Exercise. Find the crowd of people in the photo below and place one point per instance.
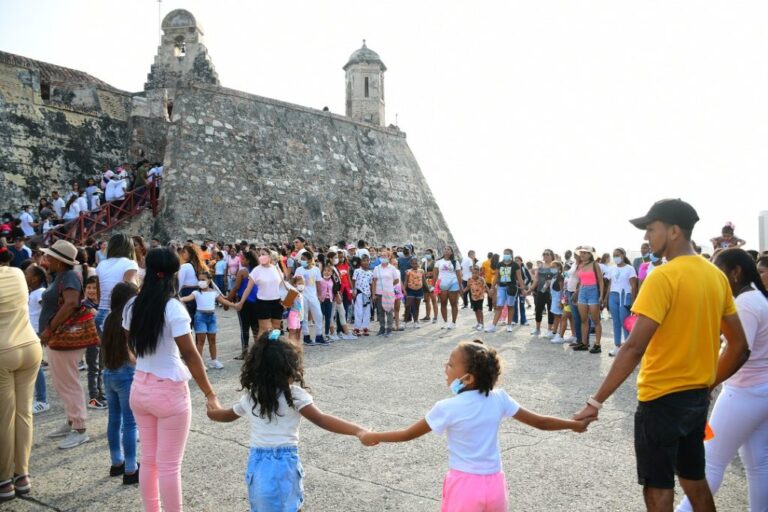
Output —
(82, 198)
(153, 307)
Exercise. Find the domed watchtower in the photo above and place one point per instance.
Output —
(181, 57)
(365, 86)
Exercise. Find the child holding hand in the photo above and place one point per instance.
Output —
(471, 421)
(274, 401)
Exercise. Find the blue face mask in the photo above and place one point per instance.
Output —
(645, 255)
(427, 257)
(654, 258)
(507, 257)
(457, 386)
(304, 263)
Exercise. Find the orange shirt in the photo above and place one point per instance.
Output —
(487, 272)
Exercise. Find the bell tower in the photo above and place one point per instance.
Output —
(182, 57)
(365, 86)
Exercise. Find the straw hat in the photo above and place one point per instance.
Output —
(62, 251)
(586, 248)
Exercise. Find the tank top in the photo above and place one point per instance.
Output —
(254, 290)
(588, 277)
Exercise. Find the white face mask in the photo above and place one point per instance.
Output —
(300, 287)
(202, 284)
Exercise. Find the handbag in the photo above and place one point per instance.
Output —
(76, 332)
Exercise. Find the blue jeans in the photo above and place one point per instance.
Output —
(40, 393)
(618, 305)
(121, 426)
(101, 315)
(576, 316)
(589, 295)
(519, 305)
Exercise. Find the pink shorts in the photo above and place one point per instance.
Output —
(294, 320)
(465, 492)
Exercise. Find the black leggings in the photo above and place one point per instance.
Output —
(543, 300)
(248, 323)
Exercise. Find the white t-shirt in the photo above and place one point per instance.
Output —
(26, 224)
(471, 421)
(753, 313)
(187, 276)
(620, 277)
(72, 212)
(446, 271)
(82, 203)
(283, 429)
(311, 277)
(206, 301)
(115, 190)
(466, 268)
(385, 278)
(35, 306)
(268, 280)
(58, 206)
(166, 362)
(111, 271)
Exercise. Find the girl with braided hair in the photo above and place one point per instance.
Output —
(471, 421)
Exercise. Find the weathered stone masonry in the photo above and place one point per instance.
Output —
(236, 165)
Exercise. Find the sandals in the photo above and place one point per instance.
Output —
(595, 349)
(21, 490)
(7, 495)
(581, 347)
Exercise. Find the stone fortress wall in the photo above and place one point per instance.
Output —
(237, 166)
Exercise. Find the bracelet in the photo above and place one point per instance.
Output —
(211, 392)
(594, 403)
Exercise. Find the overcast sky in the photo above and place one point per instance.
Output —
(536, 124)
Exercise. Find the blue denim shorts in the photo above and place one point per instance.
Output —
(275, 479)
(449, 285)
(205, 323)
(503, 298)
(555, 307)
(589, 295)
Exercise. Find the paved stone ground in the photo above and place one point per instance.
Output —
(384, 384)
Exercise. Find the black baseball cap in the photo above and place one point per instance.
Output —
(671, 211)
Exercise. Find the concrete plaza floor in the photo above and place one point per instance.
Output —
(384, 384)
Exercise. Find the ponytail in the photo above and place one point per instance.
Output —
(729, 259)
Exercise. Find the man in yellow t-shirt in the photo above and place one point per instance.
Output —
(682, 308)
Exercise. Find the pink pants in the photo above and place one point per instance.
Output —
(163, 413)
(66, 382)
(465, 492)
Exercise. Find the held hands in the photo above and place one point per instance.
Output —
(581, 425)
(367, 437)
(589, 412)
(212, 404)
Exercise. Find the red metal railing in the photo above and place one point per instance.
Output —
(108, 216)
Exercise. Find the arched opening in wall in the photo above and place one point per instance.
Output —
(366, 87)
(169, 108)
(179, 47)
(45, 90)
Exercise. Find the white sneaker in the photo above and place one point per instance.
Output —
(39, 407)
(74, 438)
(215, 364)
(63, 429)
(450, 325)
(549, 335)
(535, 332)
(510, 328)
(569, 339)
(557, 339)
(614, 351)
(349, 336)
(416, 325)
(479, 327)
(443, 325)
(490, 328)
(334, 337)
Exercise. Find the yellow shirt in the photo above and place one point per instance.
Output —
(487, 272)
(687, 297)
(15, 329)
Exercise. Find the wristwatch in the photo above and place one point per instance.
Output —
(594, 403)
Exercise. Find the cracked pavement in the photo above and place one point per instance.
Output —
(384, 384)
